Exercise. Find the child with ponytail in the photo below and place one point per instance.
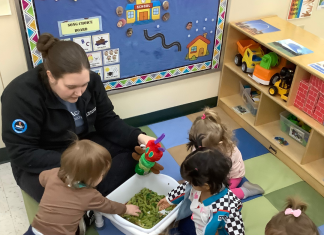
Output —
(217, 135)
(208, 206)
(292, 220)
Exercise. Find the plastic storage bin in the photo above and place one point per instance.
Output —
(294, 131)
(250, 104)
(161, 184)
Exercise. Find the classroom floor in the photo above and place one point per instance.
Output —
(262, 168)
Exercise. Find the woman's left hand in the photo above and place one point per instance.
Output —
(143, 139)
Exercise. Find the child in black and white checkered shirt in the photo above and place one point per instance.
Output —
(208, 206)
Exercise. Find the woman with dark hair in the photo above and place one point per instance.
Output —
(41, 108)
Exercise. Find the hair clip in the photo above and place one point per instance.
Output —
(203, 117)
(295, 213)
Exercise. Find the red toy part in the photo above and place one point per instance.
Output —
(319, 110)
(153, 153)
(302, 94)
(311, 101)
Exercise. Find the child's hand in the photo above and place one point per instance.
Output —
(132, 210)
(163, 204)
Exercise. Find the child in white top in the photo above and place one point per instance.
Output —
(216, 135)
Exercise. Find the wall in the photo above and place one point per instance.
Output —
(128, 104)
(1, 89)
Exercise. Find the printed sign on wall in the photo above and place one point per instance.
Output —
(300, 9)
(111, 56)
(112, 72)
(80, 26)
(98, 71)
(95, 59)
(101, 42)
(84, 42)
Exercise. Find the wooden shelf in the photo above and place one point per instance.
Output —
(264, 89)
(269, 130)
(294, 150)
(315, 169)
(235, 100)
(307, 162)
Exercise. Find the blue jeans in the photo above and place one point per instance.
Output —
(186, 227)
(29, 232)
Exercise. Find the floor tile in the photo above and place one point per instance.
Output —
(7, 227)
(149, 132)
(305, 192)
(5, 169)
(248, 145)
(179, 153)
(8, 180)
(270, 173)
(171, 168)
(14, 198)
(4, 207)
(20, 220)
(226, 120)
(176, 131)
(256, 214)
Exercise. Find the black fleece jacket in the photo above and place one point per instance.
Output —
(28, 104)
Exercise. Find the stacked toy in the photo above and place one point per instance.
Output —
(152, 154)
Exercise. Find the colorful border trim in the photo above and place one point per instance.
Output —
(156, 76)
(31, 30)
(219, 33)
(33, 34)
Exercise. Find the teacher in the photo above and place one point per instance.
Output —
(42, 108)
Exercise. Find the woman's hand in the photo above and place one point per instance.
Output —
(132, 210)
(163, 204)
(143, 139)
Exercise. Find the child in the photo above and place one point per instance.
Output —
(216, 135)
(69, 190)
(205, 196)
(292, 221)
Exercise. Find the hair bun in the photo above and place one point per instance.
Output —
(45, 42)
(296, 203)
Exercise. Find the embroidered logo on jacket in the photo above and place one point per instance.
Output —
(19, 126)
(223, 217)
(91, 112)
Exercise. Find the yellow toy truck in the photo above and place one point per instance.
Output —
(281, 84)
(250, 54)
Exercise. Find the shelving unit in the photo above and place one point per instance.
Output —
(307, 162)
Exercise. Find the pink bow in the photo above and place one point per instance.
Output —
(295, 213)
(203, 116)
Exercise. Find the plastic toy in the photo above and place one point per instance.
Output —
(153, 153)
(281, 141)
(269, 70)
(299, 123)
(250, 54)
(281, 85)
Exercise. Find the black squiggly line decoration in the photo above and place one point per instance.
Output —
(163, 40)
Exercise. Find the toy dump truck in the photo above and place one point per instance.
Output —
(250, 54)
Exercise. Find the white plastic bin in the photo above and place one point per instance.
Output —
(250, 104)
(294, 131)
(160, 184)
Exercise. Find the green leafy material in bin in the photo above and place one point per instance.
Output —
(147, 201)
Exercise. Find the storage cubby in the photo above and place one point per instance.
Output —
(305, 158)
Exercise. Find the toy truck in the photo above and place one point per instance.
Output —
(282, 84)
(250, 54)
(268, 69)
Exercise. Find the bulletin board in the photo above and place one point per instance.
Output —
(132, 42)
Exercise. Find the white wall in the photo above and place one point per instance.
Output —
(146, 100)
(245, 9)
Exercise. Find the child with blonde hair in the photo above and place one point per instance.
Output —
(70, 190)
(217, 135)
(292, 220)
